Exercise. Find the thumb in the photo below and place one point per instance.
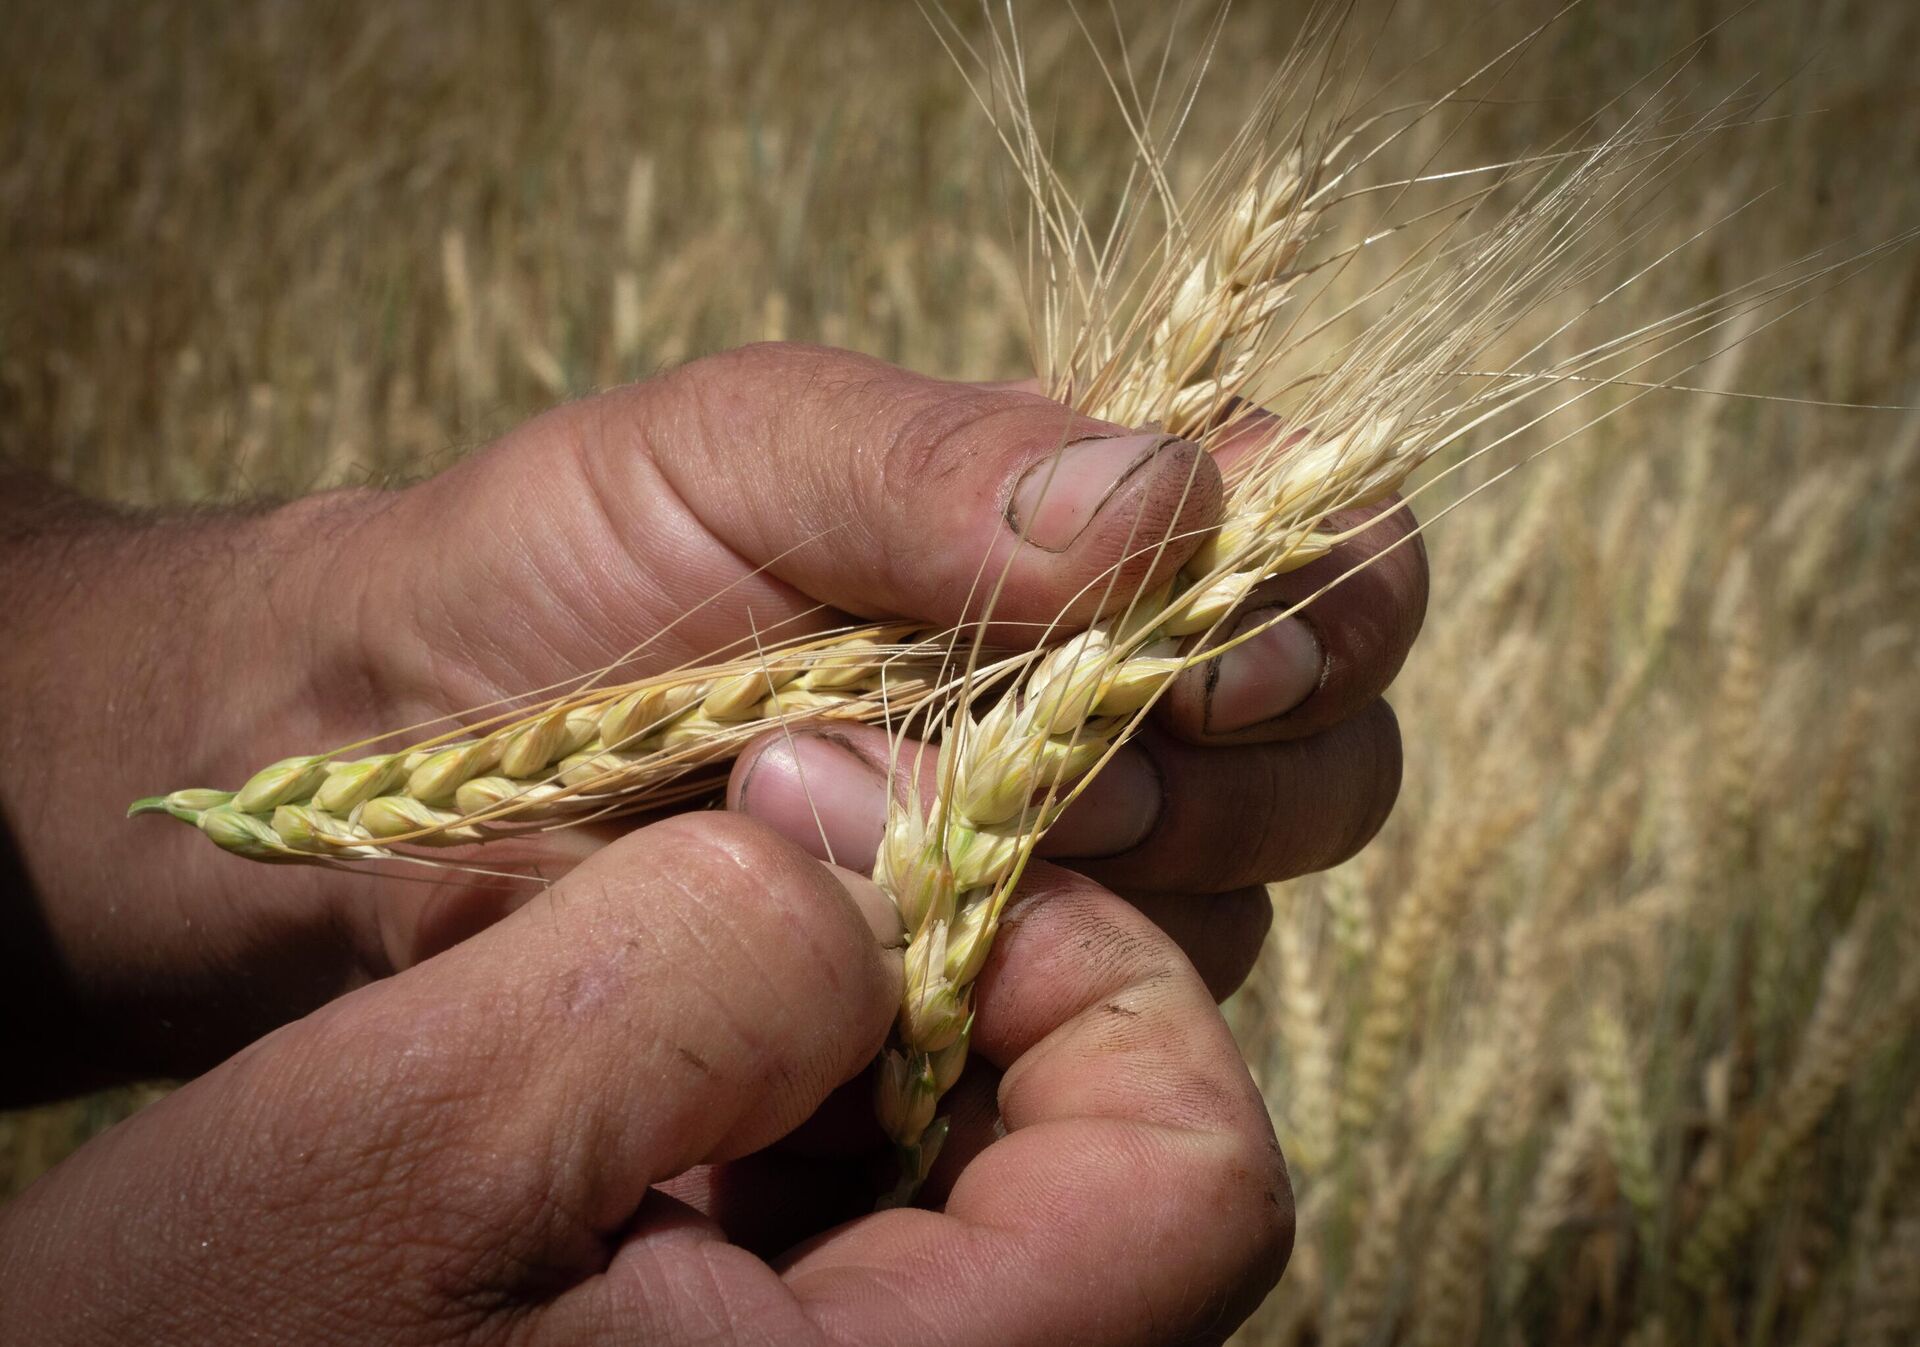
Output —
(883, 492)
(433, 1157)
(691, 993)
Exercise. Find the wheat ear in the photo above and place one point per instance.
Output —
(951, 862)
(598, 751)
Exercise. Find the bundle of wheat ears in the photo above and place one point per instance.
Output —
(1193, 306)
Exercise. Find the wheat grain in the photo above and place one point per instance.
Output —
(580, 756)
(1304, 1030)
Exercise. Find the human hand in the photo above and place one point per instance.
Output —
(797, 485)
(543, 1135)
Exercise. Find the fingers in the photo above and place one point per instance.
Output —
(468, 1139)
(1133, 1192)
(1138, 1169)
(828, 1170)
(887, 493)
(1261, 813)
(688, 994)
(743, 499)
(1296, 675)
(1163, 817)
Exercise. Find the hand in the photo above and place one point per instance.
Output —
(473, 1151)
(777, 478)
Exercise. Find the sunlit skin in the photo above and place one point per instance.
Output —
(610, 1109)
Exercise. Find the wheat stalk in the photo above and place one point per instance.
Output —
(1453, 1273)
(1364, 1298)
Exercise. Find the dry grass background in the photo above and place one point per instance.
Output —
(1612, 1035)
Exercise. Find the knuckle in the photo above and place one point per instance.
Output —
(1241, 1183)
(757, 358)
(1079, 935)
(934, 433)
(739, 858)
(719, 390)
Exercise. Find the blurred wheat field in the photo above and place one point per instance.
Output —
(1614, 1034)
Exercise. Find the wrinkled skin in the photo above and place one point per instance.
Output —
(626, 1104)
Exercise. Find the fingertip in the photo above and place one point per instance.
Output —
(1153, 523)
(1274, 662)
(1089, 526)
(1321, 643)
(879, 911)
(1115, 812)
(815, 788)
(1057, 499)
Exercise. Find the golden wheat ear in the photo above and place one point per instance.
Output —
(611, 749)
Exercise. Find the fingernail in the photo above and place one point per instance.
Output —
(1114, 814)
(1267, 675)
(821, 794)
(1061, 494)
(874, 905)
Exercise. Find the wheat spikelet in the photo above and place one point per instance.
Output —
(1400, 959)
(1550, 1197)
(1363, 1298)
(1519, 1028)
(1895, 1163)
(950, 861)
(1638, 923)
(1539, 937)
(1834, 1007)
(1624, 1121)
(580, 756)
(1838, 823)
(1308, 1038)
(1350, 918)
(1895, 1171)
(1738, 703)
(1886, 1301)
(1453, 1274)
(1815, 848)
(1461, 1094)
